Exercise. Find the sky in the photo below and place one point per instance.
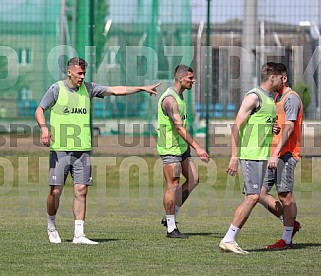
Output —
(285, 11)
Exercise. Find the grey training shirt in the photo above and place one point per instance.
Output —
(292, 105)
(51, 96)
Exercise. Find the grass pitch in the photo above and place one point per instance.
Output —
(124, 213)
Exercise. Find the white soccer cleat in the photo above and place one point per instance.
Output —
(83, 240)
(53, 236)
(232, 246)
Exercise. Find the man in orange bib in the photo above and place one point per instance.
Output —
(285, 153)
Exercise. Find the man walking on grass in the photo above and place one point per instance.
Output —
(251, 140)
(285, 153)
(69, 139)
(173, 145)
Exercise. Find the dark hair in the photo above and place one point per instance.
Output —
(282, 68)
(77, 61)
(181, 70)
(270, 68)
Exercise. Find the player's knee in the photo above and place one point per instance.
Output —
(286, 198)
(80, 190)
(256, 198)
(56, 191)
(252, 199)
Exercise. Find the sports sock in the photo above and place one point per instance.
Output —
(79, 228)
(287, 234)
(170, 223)
(51, 222)
(231, 234)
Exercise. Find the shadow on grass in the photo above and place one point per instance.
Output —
(97, 240)
(296, 246)
(215, 235)
(305, 245)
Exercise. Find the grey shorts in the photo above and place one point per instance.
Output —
(169, 159)
(77, 163)
(283, 176)
(253, 175)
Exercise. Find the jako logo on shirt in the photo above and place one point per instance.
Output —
(270, 120)
(75, 110)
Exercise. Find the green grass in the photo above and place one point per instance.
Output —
(124, 212)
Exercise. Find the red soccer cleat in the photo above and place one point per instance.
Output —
(280, 244)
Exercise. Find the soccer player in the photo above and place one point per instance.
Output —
(69, 138)
(173, 146)
(285, 153)
(251, 140)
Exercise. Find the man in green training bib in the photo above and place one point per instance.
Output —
(251, 140)
(69, 139)
(173, 146)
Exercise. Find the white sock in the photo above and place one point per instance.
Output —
(281, 218)
(171, 225)
(287, 234)
(231, 234)
(176, 209)
(51, 222)
(79, 228)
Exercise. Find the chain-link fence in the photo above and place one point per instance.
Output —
(133, 42)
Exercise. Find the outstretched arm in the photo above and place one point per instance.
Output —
(128, 90)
